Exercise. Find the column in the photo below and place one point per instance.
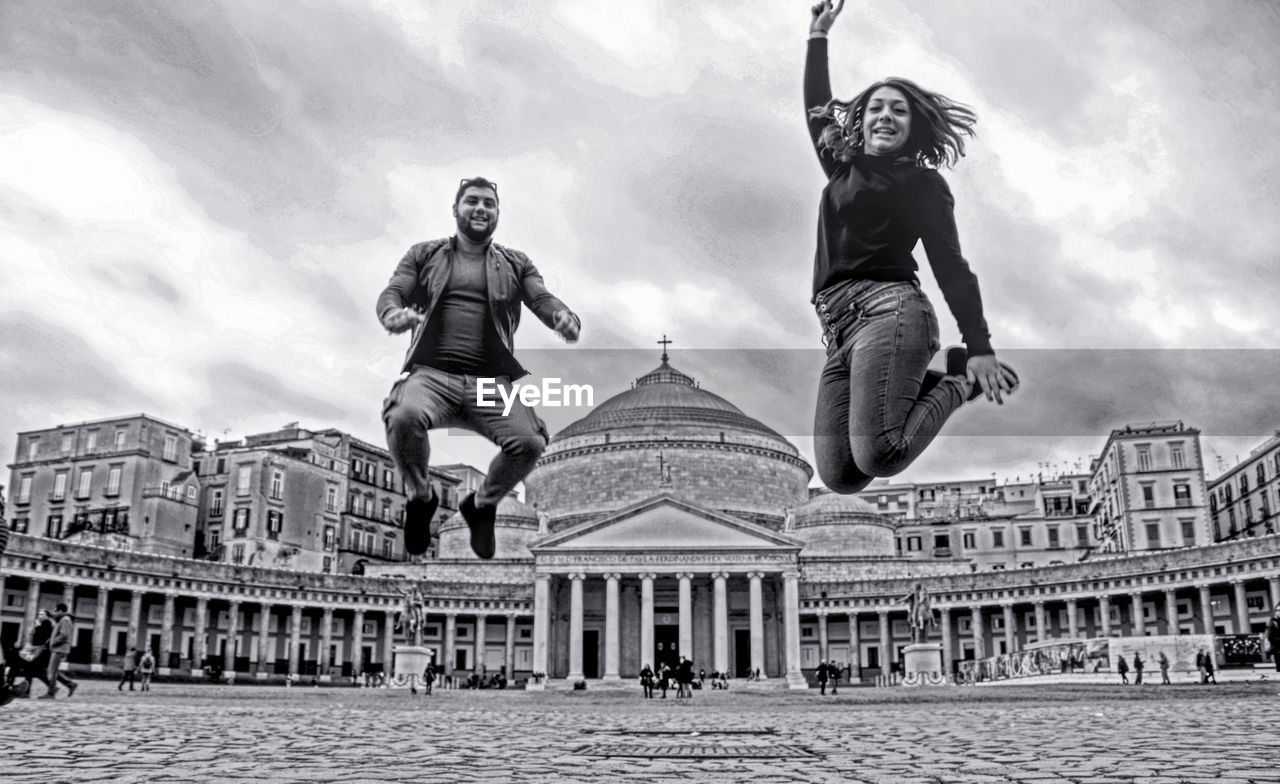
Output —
(756, 590)
(166, 633)
(541, 623)
(979, 634)
(1275, 592)
(135, 619)
(720, 620)
(1242, 607)
(1010, 630)
(450, 652)
(33, 606)
(791, 604)
(357, 642)
(822, 636)
(1073, 621)
(1139, 619)
(611, 627)
(69, 597)
(509, 655)
(886, 643)
(1206, 610)
(1104, 614)
(389, 642)
(575, 626)
(99, 629)
(1042, 622)
(646, 620)
(686, 614)
(295, 639)
(233, 634)
(1171, 611)
(948, 656)
(201, 642)
(482, 629)
(855, 649)
(264, 641)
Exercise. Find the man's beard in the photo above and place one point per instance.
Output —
(476, 235)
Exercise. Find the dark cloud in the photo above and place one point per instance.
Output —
(238, 391)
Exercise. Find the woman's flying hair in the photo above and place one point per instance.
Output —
(938, 124)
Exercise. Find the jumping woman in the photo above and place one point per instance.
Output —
(879, 405)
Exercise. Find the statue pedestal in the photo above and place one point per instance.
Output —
(922, 665)
(410, 662)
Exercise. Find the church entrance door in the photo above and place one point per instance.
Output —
(666, 645)
(591, 653)
(741, 652)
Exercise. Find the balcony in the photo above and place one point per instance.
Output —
(114, 520)
(168, 494)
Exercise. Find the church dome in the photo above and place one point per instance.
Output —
(516, 526)
(668, 435)
(845, 525)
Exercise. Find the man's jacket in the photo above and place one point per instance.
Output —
(421, 276)
(61, 640)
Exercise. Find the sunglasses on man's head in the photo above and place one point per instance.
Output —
(465, 183)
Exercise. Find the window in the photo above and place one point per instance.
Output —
(329, 536)
(119, 442)
(355, 540)
(355, 503)
(969, 540)
(277, 484)
(1182, 495)
(275, 523)
(1213, 503)
(33, 449)
(60, 485)
(1244, 484)
(1188, 532)
(388, 548)
(170, 448)
(237, 554)
(241, 519)
(1148, 496)
(68, 439)
(86, 482)
(331, 499)
(215, 503)
(386, 479)
(91, 442)
(1176, 456)
(328, 564)
(998, 567)
(913, 543)
(164, 487)
(1144, 458)
(191, 493)
(1054, 543)
(356, 466)
(386, 510)
(244, 476)
(1231, 520)
(1248, 512)
(20, 525)
(222, 465)
(368, 506)
(1025, 536)
(1153, 534)
(53, 527)
(24, 490)
(113, 480)
(1262, 473)
(1082, 534)
(997, 537)
(215, 538)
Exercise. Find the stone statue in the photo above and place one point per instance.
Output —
(789, 520)
(544, 523)
(919, 612)
(410, 619)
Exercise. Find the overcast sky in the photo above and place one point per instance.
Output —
(199, 203)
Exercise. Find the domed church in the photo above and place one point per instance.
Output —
(668, 523)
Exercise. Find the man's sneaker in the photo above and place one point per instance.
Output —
(7, 696)
(480, 520)
(417, 524)
(71, 690)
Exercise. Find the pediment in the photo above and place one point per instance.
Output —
(667, 523)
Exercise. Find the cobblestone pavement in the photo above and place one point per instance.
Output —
(1087, 734)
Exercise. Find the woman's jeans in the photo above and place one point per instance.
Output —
(879, 405)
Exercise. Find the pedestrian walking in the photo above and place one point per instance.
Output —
(59, 647)
(32, 659)
(664, 679)
(822, 678)
(1209, 667)
(646, 682)
(1271, 639)
(129, 671)
(834, 673)
(1138, 664)
(1122, 667)
(1164, 668)
(146, 668)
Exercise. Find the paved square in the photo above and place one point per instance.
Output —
(1087, 734)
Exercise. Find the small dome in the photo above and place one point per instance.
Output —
(515, 527)
(843, 525)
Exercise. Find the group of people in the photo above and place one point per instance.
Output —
(40, 657)
(1204, 665)
(828, 672)
(682, 676)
